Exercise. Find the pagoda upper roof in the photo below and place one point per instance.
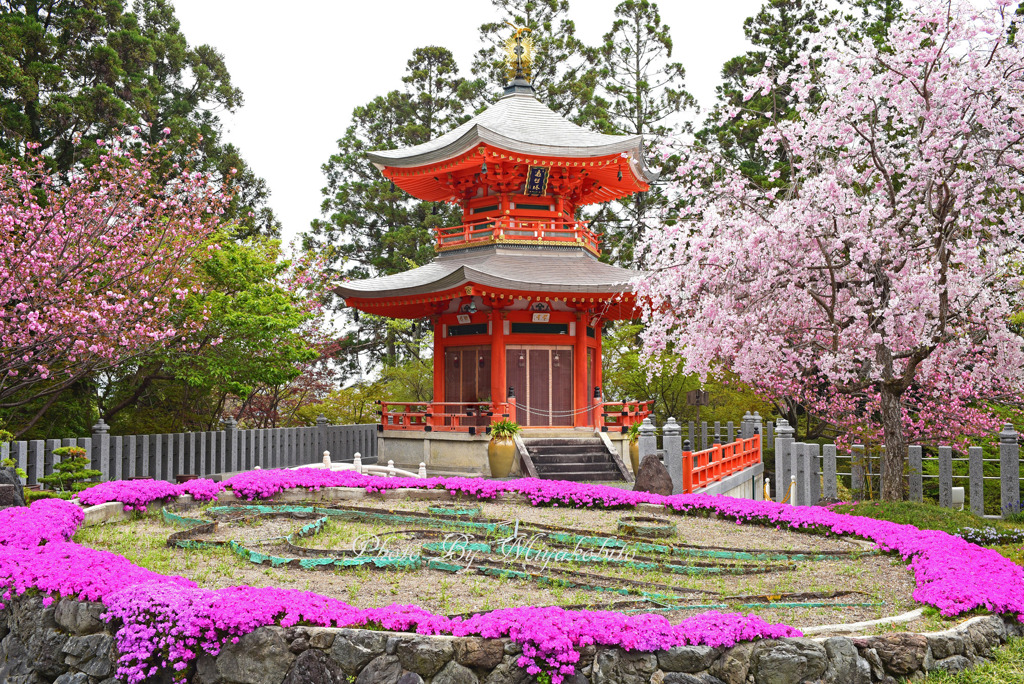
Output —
(518, 123)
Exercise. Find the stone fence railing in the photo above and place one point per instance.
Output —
(201, 454)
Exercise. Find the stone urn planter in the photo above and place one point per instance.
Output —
(634, 447)
(501, 450)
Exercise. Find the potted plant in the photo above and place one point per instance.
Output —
(501, 451)
(633, 433)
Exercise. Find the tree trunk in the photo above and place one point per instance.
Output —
(894, 483)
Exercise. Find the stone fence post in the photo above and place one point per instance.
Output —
(977, 481)
(672, 440)
(1009, 471)
(830, 490)
(946, 476)
(647, 444)
(916, 473)
(231, 444)
(100, 456)
(783, 444)
(757, 427)
(321, 435)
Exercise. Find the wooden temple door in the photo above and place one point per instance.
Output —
(467, 383)
(542, 380)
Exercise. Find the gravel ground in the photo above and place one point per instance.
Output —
(875, 578)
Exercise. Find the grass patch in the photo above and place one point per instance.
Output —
(1007, 668)
(925, 516)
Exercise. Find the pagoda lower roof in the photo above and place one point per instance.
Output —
(507, 268)
(520, 124)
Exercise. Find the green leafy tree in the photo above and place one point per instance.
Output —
(565, 73)
(647, 96)
(627, 377)
(83, 70)
(256, 334)
(372, 228)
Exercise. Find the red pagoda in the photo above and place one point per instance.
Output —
(517, 294)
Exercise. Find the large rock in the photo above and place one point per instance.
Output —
(479, 652)
(79, 617)
(314, 667)
(453, 673)
(615, 666)
(354, 648)
(384, 669)
(93, 654)
(508, 672)
(986, 634)
(845, 666)
(953, 664)
(787, 662)
(76, 678)
(684, 678)
(946, 644)
(9, 476)
(733, 665)
(424, 656)
(902, 653)
(653, 477)
(688, 658)
(260, 657)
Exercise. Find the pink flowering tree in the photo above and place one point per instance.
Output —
(92, 261)
(879, 285)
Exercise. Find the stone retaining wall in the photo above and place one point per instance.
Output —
(68, 643)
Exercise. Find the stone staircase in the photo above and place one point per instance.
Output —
(576, 459)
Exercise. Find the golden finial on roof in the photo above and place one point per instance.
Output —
(519, 53)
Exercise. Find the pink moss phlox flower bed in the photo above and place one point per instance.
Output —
(170, 621)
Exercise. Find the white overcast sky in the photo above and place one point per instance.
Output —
(304, 67)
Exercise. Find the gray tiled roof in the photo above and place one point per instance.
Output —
(500, 266)
(519, 123)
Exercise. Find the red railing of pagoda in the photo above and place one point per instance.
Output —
(551, 231)
(621, 415)
(440, 416)
(701, 468)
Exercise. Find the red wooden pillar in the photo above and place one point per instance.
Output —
(499, 385)
(598, 365)
(439, 353)
(579, 375)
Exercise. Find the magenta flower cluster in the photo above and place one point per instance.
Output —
(169, 621)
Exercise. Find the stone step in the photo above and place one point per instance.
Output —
(582, 476)
(607, 466)
(592, 457)
(565, 448)
(561, 441)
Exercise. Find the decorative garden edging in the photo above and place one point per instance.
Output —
(168, 622)
(68, 641)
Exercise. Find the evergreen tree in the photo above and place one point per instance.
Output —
(778, 32)
(84, 70)
(372, 228)
(564, 69)
(647, 96)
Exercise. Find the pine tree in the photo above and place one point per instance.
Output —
(370, 227)
(564, 72)
(647, 96)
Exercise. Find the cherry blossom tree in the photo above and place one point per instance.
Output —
(879, 283)
(91, 262)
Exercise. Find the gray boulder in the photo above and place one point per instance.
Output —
(424, 656)
(384, 669)
(79, 617)
(688, 658)
(314, 667)
(9, 476)
(94, 654)
(615, 666)
(787, 662)
(354, 648)
(453, 673)
(653, 477)
(260, 657)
